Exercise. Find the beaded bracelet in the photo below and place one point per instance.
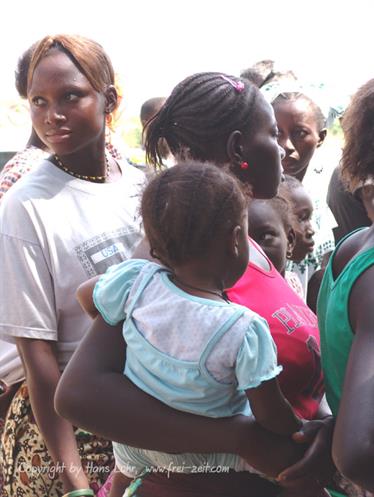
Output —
(83, 492)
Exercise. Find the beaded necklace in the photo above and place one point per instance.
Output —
(99, 179)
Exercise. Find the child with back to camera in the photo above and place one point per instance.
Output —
(220, 355)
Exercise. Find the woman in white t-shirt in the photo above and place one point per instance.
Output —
(70, 218)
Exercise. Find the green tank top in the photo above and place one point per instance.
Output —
(334, 325)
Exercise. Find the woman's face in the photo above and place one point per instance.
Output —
(262, 152)
(67, 113)
(299, 135)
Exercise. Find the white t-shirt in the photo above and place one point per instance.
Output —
(57, 231)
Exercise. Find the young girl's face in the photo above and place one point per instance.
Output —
(67, 113)
(299, 135)
(303, 210)
(266, 227)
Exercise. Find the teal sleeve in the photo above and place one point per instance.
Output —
(113, 288)
(257, 357)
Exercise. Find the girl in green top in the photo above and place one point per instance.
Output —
(346, 311)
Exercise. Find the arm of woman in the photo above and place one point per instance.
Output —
(42, 376)
(94, 394)
(353, 442)
(267, 399)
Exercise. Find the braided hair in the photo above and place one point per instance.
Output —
(198, 117)
(187, 207)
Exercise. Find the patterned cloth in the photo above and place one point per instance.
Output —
(28, 469)
(21, 163)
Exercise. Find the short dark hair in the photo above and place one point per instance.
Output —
(292, 96)
(185, 208)
(150, 107)
(199, 115)
(357, 163)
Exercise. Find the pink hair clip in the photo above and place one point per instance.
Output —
(237, 85)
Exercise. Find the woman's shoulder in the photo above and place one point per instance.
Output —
(360, 242)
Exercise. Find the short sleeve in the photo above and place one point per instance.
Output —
(257, 357)
(113, 288)
(26, 292)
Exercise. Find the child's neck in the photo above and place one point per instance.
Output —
(199, 280)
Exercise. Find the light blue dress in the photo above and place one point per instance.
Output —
(194, 354)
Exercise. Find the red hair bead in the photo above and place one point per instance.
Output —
(244, 165)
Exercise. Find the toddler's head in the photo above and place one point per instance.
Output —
(195, 211)
(303, 210)
(270, 224)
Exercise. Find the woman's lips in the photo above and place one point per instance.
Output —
(57, 137)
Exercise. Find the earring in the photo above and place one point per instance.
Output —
(289, 254)
(244, 165)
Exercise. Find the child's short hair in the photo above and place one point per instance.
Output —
(281, 204)
(185, 208)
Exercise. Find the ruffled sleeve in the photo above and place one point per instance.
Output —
(113, 288)
(257, 357)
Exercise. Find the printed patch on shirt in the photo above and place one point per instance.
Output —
(102, 251)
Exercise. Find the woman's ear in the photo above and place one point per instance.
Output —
(322, 135)
(234, 147)
(291, 242)
(111, 99)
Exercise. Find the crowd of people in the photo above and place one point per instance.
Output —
(195, 320)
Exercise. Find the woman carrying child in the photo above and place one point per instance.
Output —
(210, 116)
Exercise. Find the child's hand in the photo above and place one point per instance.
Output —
(317, 459)
(306, 488)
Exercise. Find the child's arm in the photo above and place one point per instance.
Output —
(271, 409)
(85, 296)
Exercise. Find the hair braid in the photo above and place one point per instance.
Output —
(199, 115)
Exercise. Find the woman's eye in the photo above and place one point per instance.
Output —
(301, 133)
(266, 237)
(71, 97)
(37, 101)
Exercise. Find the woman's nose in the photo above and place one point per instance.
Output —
(310, 230)
(53, 115)
(288, 146)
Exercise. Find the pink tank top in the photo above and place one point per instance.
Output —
(294, 328)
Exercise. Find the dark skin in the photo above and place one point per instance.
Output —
(299, 134)
(268, 452)
(68, 115)
(303, 210)
(266, 227)
(7, 393)
(353, 448)
(98, 366)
